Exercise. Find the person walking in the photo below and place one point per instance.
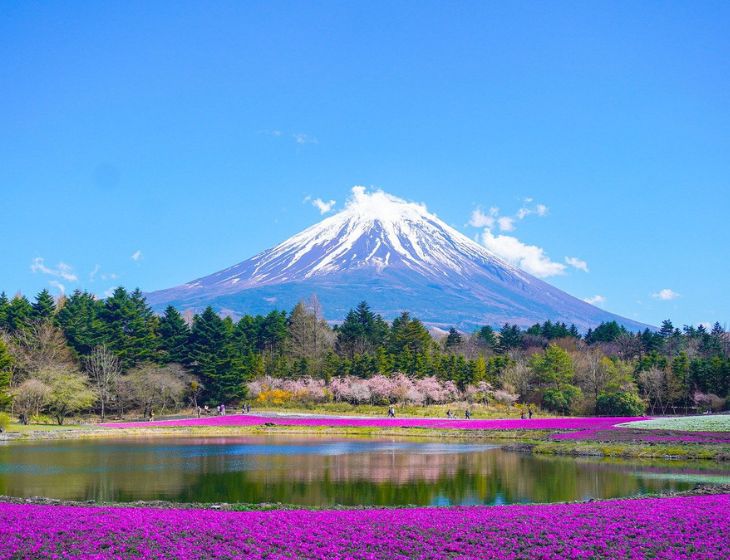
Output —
(391, 412)
(529, 412)
(522, 414)
(467, 414)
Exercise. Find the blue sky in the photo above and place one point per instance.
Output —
(146, 144)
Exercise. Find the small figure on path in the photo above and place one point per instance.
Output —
(223, 410)
(206, 410)
(248, 408)
(467, 414)
(449, 414)
(391, 412)
(529, 412)
(522, 414)
(152, 415)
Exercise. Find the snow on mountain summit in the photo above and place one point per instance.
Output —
(375, 230)
(396, 255)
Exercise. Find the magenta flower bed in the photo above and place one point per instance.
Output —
(686, 527)
(502, 424)
(627, 434)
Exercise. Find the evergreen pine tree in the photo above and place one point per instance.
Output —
(129, 326)
(6, 374)
(174, 333)
(4, 310)
(510, 337)
(44, 307)
(214, 356)
(79, 320)
(20, 314)
(453, 340)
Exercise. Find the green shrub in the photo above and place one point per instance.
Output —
(561, 400)
(4, 421)
(620, 404)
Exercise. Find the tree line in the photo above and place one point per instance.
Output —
(80, 353)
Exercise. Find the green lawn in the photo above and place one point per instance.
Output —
(710, 423)
(22, 429)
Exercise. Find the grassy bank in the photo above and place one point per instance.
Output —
(630, 450)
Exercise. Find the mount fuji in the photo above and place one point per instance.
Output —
(398, 257)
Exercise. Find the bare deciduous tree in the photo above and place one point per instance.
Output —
(156, 387)
(518, 376)
(103, 369)
(40, 346)
(653, 383)
(29, 398)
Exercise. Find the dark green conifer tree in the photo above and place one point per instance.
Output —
(129, 327)
(79, 320)
(44, 308)
(20, 314)
(174, 333)
(453, 340)
(4, 310)
(6, 374)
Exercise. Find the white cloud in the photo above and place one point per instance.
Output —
(61, 271)
(480, 219)
(301, 138)
(110, 292)
(539, 210)
(506, 224)
(575, 262)
(595, 300)
(136, 256)
(665, 295)
(56, 284)
(94, 272)
(323, 206)
(530, 258)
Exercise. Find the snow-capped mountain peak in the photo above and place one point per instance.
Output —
(375, 230)
(396, 255)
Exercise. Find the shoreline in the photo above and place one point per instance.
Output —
(576, 436)
(701, 489)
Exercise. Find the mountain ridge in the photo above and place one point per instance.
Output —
(397, 256)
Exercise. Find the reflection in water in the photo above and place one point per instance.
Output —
(320, 472)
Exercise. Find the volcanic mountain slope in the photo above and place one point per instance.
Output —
(398, 257)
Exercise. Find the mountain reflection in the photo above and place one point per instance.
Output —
(322, 472)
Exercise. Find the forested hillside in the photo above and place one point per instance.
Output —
(80, 354)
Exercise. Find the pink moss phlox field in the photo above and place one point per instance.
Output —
(595, 423)
(694, 527)
(627, 434)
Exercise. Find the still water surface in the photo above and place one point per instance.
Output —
(318, 471)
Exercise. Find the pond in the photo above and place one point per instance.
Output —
(325, 471)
